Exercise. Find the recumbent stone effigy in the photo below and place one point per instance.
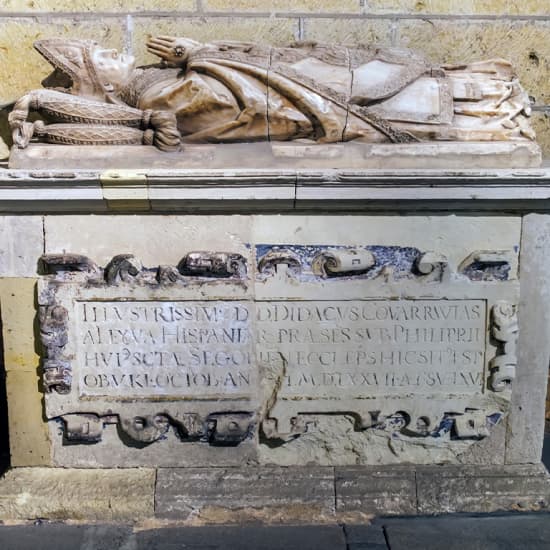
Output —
(281, 352)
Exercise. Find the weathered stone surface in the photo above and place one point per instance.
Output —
(18, 35)
(490, 450)
(389, 490)
(455, 7)
(316, 6)
(103, 237)
(103, 495)
(526, 423)
(264, 30)
(21, 242)
(17, 300)
(541, 125)
(266, 493)
(447, 489)
(125, 6)
(28, 433)
(348, 31)
(525, 44)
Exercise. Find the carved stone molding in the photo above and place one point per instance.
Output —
(504, 329)
(217, 428)
(126, 269)
(466, 424)
(56, 368)
(368, 262)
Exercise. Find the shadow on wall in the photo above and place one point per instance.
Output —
(546, 451)
(4, 438)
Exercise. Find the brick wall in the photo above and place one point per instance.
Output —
(445, 30)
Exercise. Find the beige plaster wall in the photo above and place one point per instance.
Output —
(445, 30)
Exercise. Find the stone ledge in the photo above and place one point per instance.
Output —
(267, 494)
(248, 190)
(283, 155)
(196, 496)
(349, 494)
(482, 489)
(102, 495)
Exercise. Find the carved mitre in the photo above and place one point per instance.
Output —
(72, 58)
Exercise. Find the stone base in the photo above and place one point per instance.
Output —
(198, 496)
(281, 155)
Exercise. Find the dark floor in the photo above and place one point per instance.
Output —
(456, 532)
(546, 451)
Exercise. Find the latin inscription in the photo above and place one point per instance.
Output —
(364, 348)
(318, 349)
(195, 349)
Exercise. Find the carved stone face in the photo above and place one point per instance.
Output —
(112, 67)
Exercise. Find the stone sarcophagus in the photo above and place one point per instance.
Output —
(278, 352)
(295, 259)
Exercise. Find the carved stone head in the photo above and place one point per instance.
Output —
(92, 70)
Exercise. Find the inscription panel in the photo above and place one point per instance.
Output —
(319, 349)
(164, 348)
(360, 348)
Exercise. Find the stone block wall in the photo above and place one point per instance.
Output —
(445, 30)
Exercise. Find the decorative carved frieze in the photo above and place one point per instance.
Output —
(404, 343)
(504, 329)
(54, 336)
(217, 428)
(127, 269)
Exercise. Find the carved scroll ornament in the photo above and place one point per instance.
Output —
(505, 331)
